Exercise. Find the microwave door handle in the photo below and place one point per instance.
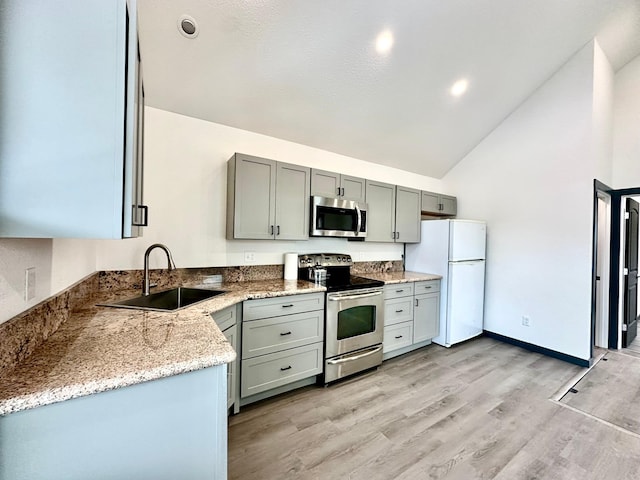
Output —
(359, 225)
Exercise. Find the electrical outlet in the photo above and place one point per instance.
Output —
(526, 321)
(29, 284)
(249, 257)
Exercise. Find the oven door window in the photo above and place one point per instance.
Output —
(356, 321)
(339, 219)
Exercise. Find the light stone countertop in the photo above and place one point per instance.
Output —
(402, 277)
(102, 348)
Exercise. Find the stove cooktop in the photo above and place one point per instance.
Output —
(338, 272)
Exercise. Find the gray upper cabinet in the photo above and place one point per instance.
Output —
(336, 185)
(407, 215)
(381, 201)
(71, 122)
(439, 204)
(394, 213)
(266, 199)
(449, 205)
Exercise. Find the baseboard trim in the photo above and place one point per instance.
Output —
(538, 349)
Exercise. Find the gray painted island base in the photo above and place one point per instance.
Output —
(165, 429)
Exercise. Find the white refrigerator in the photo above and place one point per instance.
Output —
(456, 250)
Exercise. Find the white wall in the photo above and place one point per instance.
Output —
(532, 180)
(185, 188)
(59, 263)
(626, 126)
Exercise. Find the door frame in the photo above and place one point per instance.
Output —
(615, 336)
(600, 191)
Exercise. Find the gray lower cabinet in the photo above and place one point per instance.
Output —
(393, 214)
(282, 344)
(165, 429)
(227, 321)
(426, 311)
(266, 199)
(336, 185)
(411, 316)
(439, 204)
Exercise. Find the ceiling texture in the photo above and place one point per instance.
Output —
(309, 71)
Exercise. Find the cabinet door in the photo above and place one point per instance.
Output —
(430, 202)
(449, 205)
(255, 183)
(353, 188)
(292, 202)
(231, 334)
(426, 317)
(325, 184)
(381, 198)
(407, 215)
(62, 120)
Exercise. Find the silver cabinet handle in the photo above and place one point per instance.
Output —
(352, 357)
(353, 297)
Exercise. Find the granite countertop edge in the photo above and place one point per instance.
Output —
(391, 278)
(48, 376)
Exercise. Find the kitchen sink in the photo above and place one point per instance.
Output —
(169, 300)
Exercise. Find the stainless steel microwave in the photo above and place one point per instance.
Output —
(335, 217)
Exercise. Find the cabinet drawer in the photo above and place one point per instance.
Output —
(270, 335)
(225, 318)
(398, 310)
(397, 290)
(397, 336)
(428, 286)
(263, 373)
(275, 307)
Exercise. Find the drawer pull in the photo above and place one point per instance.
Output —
(285, 333)
(427, 287)
(398, 336)
(400, 291)
(287, 306)
(282, 369)
(399, 311)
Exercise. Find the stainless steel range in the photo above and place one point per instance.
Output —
(354, 317)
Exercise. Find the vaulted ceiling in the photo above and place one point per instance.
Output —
(310, 72)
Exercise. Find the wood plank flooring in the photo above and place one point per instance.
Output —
(611, 391)
(480, 410)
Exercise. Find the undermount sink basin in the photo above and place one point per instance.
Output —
(169, 300)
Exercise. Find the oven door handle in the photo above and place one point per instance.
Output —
(355, 356)
(352, 297)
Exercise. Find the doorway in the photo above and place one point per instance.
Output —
(600, 311)
(623, 267)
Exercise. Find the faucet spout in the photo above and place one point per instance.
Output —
(171, 265)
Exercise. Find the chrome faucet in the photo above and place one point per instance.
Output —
(172, 266)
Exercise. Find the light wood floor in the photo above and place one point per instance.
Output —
(479, 410)
(610, 391)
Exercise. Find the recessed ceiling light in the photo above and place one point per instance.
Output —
(458, 88)
(384, 42)
(188, 27)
